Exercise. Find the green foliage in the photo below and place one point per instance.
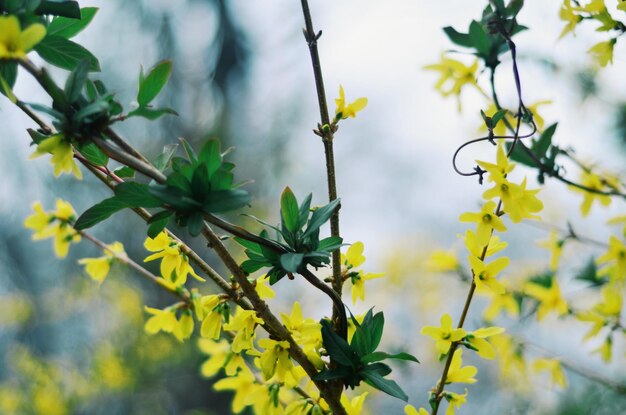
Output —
(67, 27)
(358, 360)
(65, 54)
(149, 87)
(542, 153)
(192, 189)
(69, 9)
(589, 274)
(298, 244)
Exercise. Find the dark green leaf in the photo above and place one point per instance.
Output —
(163, 160)
(42, 108)
(195, 224)
(461, 39)
(291, 261)
(520, 155)
(69, 9)
(330, 374)
(376, 329)
(65, 54)
(154, 82)
(210, 156)
(497, 117)
(191, 155)
(8, 71)
(151, 113)
(540, 147)
(289, 210)
(124, 172)
(158, 222)
(253, 246)
(514, 8)
(380, 369)
(378, 356)
(330, 244)
(99, 212)
(76, 81)
(225, 200)
(136, 195)
(175, 198)
(386, 385)
(589, 274)
(251, 266)
(95, 109)
(480, 39)
(93, 154)
(320, 216)
(304, 211)
(338, 349)
(67, 28)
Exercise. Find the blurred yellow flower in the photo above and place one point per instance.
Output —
(62, 155)
(98, 268)
(344, 111)
(15, 42)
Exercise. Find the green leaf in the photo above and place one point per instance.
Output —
(225, 200)
(386, 385)
(76, 81)
(251, 265)
(378, 356)
(151, 113)
(519, 154)
(163, 160)
(69, 9)
(136, 195)
(540, 147)
(330, 244)
(514, 7)
(480, 39)
(304, 211)
(174, 197)
(458, 38)
(195, 224)
(191, 155)
(375, 329)
(589, 274)
(253, 246)
(497, 117)
(67, 28)
(6, 89)
(377, 368)
(321, 216)
(99, 212)
(65, 54)
(291, 261)
(8, 71)
(210, 156)
(338, 349)
(330, 374)
(95, 109)
(50, 111)
(154, 82)
(124, 172)
(158, 222)
(289, 210)
(93, 154)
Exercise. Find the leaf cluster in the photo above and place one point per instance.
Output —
(195, 186)
(540, 154)
(358, 360)
(297, 240)
(487, 37)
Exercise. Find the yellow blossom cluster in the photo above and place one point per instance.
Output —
(56, 224)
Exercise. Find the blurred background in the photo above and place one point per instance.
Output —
(242, 73)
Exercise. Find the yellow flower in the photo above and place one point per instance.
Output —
(244, 323)
(511, 357)
(262, 288)
(56, 224)
(471, 243)
(306, 332)
(459, 374)
(501, 302)
(555, 246)
(442, 261)
(502, 166)
(354, 256)
(550, 299)
(602, 53)
(15, 43)
(486, 221)
(247, 391)
(594, 7)
(98, 268)
(161, 320)
(174, 263)
(455, 400)
(353, 406)
(275, 359)
(477, 340)
(485, 274)
(518, 202)
(554, 367)
(613, 260)
(567, 14)
(457, 73)
(220, 356)
(410, 410)
(344, 111)
(605, 350)
(212, 322)
(622, 5)
(445, 334)
(593, 181)
(358, 284)
(62, 155)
